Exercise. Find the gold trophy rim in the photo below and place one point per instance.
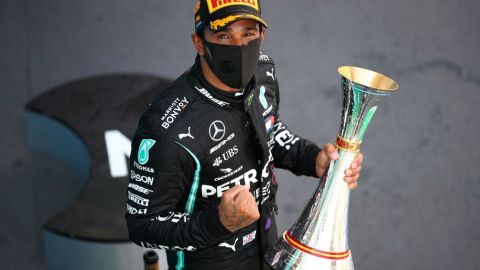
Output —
(368, 78)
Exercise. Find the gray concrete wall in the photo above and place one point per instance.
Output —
(418, 204)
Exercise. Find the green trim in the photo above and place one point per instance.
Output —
(190, 202)
(196, 181)
(180, 261)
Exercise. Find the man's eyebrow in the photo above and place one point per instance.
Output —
(245, 28)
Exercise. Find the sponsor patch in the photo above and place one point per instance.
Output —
(216, 130)
(142, 168)
(143, 150)
(134, 211)
(214, 5)
(171, 114)
(230, 153)
(269, 123)
(284, 137)
(263, 57)
(249, 237)
(141, 178)
(173, 217)
(204, 92)
(229, 173)
(226, 170)
(217, 162)
(138, 188)
(265, 192)
(176, 248)
(247, 179)
(218, 146)
(137, 199)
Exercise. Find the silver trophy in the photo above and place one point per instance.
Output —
(319, 237)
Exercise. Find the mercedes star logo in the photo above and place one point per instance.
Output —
(217, 130)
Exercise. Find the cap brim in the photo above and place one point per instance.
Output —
(220, 24)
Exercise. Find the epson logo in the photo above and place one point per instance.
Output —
(246, 179)
(141, 178)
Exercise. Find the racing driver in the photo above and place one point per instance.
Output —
(202, 184)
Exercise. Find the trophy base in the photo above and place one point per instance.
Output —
(283, 256)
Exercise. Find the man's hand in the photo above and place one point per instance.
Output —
(238, 208)
(330, 152)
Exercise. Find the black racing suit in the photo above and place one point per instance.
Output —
(193, 144)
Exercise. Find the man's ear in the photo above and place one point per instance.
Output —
(262, 35)
(198, 44)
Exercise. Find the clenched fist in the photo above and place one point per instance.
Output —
(238, 208)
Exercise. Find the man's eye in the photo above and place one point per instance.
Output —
(251, 34)
(222, 36)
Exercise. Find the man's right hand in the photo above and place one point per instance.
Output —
(238, 208)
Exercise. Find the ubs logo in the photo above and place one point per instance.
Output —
(230, 153)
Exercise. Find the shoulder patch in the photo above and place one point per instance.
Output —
(264, 58)
(143, 151)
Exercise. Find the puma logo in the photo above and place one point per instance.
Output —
(270, 74)
(184, 135)
(232, 247)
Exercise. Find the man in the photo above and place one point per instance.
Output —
(202, 185)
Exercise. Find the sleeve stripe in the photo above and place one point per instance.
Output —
(190, 202)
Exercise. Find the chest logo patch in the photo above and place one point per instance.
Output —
(143, 150)
(217, 130)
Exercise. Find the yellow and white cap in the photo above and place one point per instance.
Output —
(218, 14)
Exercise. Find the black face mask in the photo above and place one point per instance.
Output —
(233, 65)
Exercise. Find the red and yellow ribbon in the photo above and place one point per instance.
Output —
(348, 146)
(312, 251)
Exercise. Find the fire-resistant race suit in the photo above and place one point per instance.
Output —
(194, 143)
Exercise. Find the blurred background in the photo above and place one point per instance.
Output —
(76, 75)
